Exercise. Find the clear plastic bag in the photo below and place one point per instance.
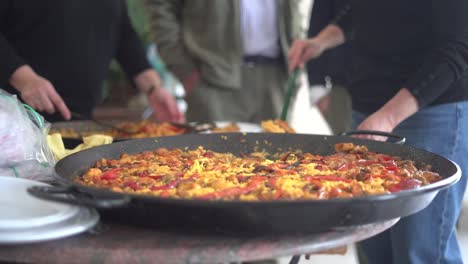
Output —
(24, 151)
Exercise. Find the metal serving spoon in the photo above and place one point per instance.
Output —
(84, 117)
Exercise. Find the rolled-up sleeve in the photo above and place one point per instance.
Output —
(448, 61)
(343, 19)
(130, 52)
(9, 59)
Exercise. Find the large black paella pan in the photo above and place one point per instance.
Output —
(243, 216)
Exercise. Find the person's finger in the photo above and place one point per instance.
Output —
(293, 53)
(173, 110)
(38, 103)
(45, 102)
(60, 104)
(296, 48)
(293, 49)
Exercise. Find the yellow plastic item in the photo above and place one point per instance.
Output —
(58, 148)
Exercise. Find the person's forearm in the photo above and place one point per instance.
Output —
(21, 75)
(146, 80)
(331, 36)
(400, 107)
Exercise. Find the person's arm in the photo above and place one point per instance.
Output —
(322, 14)
(163, 103)
(36, 91)
(445, 64)
(303, 50)
(131, 56)
(326, 69)
(333, 35)
(165, 21)
(10, 60)
(448, 61)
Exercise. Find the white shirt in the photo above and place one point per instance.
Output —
(259, 27)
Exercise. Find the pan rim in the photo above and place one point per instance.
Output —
(437, 186)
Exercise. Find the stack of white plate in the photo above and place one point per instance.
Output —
(26, 219)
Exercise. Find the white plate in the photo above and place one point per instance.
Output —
(82, 221)
(243, 126)
(20, 210)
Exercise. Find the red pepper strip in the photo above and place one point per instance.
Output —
(133, 185)
(176, 129)
(404, 184)
(345, 166)
(278, 191)
(208, 154)
(143, 129)
(111, 174)
(285, 156)
(279, 168)
(155, 177)
(235, 191)
(385, 157)
(171, 185)
(193, 176)
(314, 182)
(241, 178)
(391, 167)
(327, 178)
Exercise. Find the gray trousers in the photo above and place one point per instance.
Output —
(260, 97)
(338, 114)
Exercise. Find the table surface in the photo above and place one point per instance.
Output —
(115, 243)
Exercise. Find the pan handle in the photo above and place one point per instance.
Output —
(71, 195)
(400, 140)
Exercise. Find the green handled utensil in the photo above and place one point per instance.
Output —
(289, 93)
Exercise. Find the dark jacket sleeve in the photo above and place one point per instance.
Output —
(10, 60)
(130, 51)
(321, 15)
(343, 17)
(333, 62)
(448, 61)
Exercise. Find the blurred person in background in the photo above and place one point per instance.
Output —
(409, 75)
(328, 74)
(229, 55)
(56, 54)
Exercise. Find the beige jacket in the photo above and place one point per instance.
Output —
(205, 35)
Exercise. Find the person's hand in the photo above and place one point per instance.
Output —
(165, 106)
(191, 81)
(303, 50)
(162, 102)
(38, 92)
(389, 116)
(378, 121)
